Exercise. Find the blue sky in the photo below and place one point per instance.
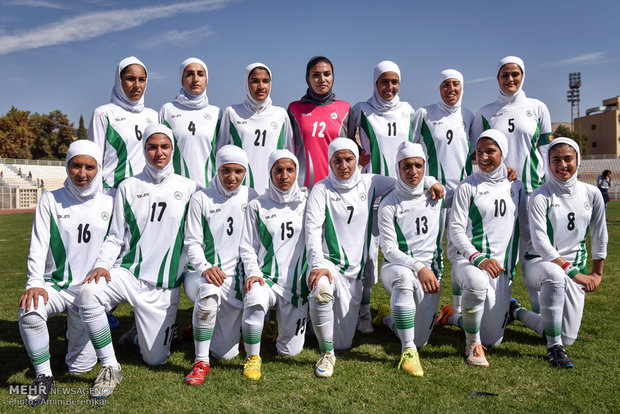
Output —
(57, 54)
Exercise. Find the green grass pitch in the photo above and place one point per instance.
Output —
(365, 377)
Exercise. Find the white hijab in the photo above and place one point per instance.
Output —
(500, 172)
(293, 194)
(519, 94)
(228, 154)
(188, 100)
(443, 76)
(338, 144)
(563, 187)
(407, 150)
(158, 175)
(118, 94)
(249, 102)
(84, 147)
(376, 101)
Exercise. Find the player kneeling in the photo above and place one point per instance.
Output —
(140, 260)
(212, 236)
(488, 214)
(69, 226)
(410, 228)
(561, 212)
(274, 257)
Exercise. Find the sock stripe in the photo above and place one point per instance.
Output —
(202, 334)
(40, 356)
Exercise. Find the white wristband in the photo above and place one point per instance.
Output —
(417, 267)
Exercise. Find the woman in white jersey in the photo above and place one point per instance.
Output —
(488, 214)
(338, 229)
(256, 125)
(561, 213)
(384, 122)
(212, 235)
(117, 127)
(443, 129)
(274, 258)
(524, 121)
(69, 226)
(140, 262)
(410, 223)
(194, 123)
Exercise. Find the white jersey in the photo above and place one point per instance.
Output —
(560, 223)
(527, 125)
(445, 138)
(411, 231)
(213, 232)
(259, 134)
(339, 223)
(381, 133)
(273, 247)
(488, 218)
(195, 132)
(66, 237)
(118, 133)
(146, 233)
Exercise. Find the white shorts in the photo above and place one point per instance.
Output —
(227, 332)
(495, 316)
(81, 356)
(291, 320)
(155, 310)
(535, 271)
(426, 304)
(347, 294)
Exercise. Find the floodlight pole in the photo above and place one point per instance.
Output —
(573, 96)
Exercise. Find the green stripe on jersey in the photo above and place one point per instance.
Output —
(162, 268)
(177, 249)
(534, 160)
(280, 144)
(477, 228)
(549, 225)
(212, 155)
(431, 151)
(375, 152)
(400, 237)
(117, 142)
(59, 254)
(437, 261)
(207, 237)
(485, 124)
(130, 256)
(331, 239)
(176, 155)
(267, 241)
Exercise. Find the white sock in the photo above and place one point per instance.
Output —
(531, 320)
(322, 316)
(403, 312)
(203, 323)
(552, 297)
(36, 341)
(473, 309)
(99, 332)
(252, 327)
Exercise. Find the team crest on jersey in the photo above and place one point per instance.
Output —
(148, 121)
(105, 216)
(437, 122)
(273, 125)
(207, 117)
(586, 205)
(529, 113)
(333, 115)
(178, 195)
(244, 207)
(363, 197)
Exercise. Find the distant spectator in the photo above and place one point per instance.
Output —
(42, 184)
(603, 184)
(19, 172)
(30, 175)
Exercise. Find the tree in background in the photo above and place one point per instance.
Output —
(17, 134)
(564, 131)
(35, 136)
(81, 132)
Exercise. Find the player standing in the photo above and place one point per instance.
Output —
(69, 226)
(212, 236)
(443, 130)
(256, 125)
(384, 122)
(317, 119)
(117, 127)
(194, 123)
(410, 224)
(562, 212)
(488, 214)
(140, 260)
(274, 257)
